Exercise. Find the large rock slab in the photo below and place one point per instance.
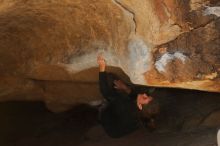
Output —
(49, 47)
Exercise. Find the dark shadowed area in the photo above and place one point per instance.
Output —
(187, 118)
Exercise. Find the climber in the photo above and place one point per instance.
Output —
(121, 113)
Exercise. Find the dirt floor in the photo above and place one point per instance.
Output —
(180, 123)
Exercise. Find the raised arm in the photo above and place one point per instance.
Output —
(101, 63)
(103, 83)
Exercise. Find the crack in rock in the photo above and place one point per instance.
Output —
(129, 11)
(204, 25)
(193, 29)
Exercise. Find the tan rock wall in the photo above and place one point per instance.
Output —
(48, 48)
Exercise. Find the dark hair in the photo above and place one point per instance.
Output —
(139, 89)
(149, 113)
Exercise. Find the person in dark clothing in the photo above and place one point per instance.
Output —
(121, 114)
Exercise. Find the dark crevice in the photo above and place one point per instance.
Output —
(129, 11)
(205, 24)
(165, 6)
(178, 26)
(198, 27)
(64, 81)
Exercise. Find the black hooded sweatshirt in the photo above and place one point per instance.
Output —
(120, 117)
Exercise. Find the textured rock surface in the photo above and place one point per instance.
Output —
(49, 47)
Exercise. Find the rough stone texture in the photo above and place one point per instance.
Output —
(49, 47)
(197, 65)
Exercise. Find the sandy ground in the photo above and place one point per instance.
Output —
(31, 124)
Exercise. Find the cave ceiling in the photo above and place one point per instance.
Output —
(48, 48)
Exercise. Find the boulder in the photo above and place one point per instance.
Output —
(49, 47)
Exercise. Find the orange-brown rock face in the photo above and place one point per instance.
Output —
(49, 47)
(192, 59)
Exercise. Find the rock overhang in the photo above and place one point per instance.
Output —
(157, 43)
